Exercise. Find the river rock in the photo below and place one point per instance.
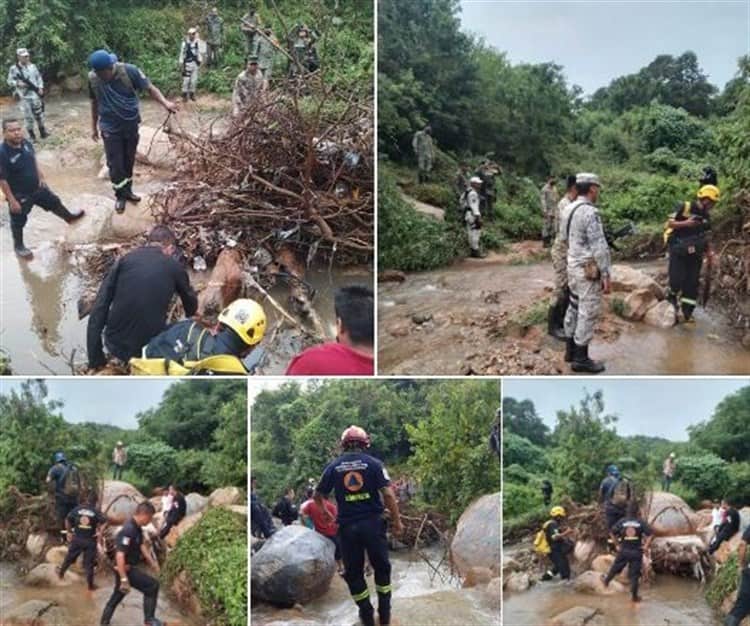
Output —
(728, 548)
(578, 616)
(637, 303)
(477, 539)
(478, 576)
(96, 225)
(391, 276)
(57, 555)
(443, 607)
(195, 503)
(510, 565)
(669, 515)
(136, 220)
(225, 496)
(661, 315)
(155, 148)
(495, 592)
(602, 563)
(294, 566)
(591, 582)
(35, 544)
(119, 500)
(517, 582)
(45, 575)
(584, 550)
(185, 525)
(626, 278)
(35, 613)
(669, 553)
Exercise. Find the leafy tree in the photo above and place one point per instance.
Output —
(706, 474)
(518, 450)
(521, 418)
(226, 464)
(726, 433)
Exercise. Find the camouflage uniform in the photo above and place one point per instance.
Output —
(190, 60)
(549, 211)
(214, 38)
(249, 27)
(28, 101)
(266, 54)
(560, 252)
(473, 218)
(586, 241)
(246, 87)
(424, 149)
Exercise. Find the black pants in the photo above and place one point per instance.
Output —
(631, 558)
(43, 198)
(724, 534)
(684, 277)
(260, 520)
(88, 548)
(63, 506)
(120, 149)
(741, 608)
(117, 473)
(336, 544)
(560, 563)
(144, 583)
(613, 514)
(357, 538)
(170, 522)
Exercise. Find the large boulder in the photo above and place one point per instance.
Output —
(155, 148)
(626, 278)
(119, 499)
(477, 539)
(35, 613)
(591, 582)
(57, 555)
(661, 315)
(602, 564)
(579, 616)
(45, 575)
(669, 515)
(519, 581)
(478, 576)
(136, 220)
(196, 503)
(584, 550)
(495, 592)
(176, 533)
(294, 566)
(637, 303)
(35, 544)
(225, 496)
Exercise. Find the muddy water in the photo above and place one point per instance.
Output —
(460, 297)
(668, 601)
(417, 601)
(82, 609)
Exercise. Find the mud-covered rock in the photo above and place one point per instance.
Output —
(518, 581)
(628, 279)
(96, 225)
(478, 576)
(35, 544)
(35, 613)
(637, 303)
(477, 539)
(591, 582)
(661, 315)
(578, 616)
(195, 503)
(119, 499)
(45, 575)
(155, 148)
(495, 591)
(584, 550)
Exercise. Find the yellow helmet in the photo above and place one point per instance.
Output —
(709, 191)
(247, 318)
(557, 511)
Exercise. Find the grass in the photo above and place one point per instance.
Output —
(534, 315)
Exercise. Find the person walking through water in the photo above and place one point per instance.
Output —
(361, 485)
(119, 459)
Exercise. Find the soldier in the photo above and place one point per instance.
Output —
(425, 151)
(556, 314)
(462, 180)
(486, 172)
(28, 88)
(473, 216)
(215, 37)
(266, 53)
(589, 267)
(247, 86)
(249, 26)
(549, 210)
(190, 60)
(303, 51)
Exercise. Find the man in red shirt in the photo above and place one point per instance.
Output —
(352, 352)
(329, 529)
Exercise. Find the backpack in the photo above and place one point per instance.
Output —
(541, 545)
(71, 481)
(619, 493)
(120, 74)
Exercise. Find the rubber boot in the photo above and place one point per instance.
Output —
(129, 195)
(583, 363)
(192, 96)
(120, 205)
(22, 252)
(32, 134)
(555, 321)
(63, 213)
(43, 132)
(570, 346)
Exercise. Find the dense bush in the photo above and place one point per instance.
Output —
(519, 450)
(520, 498)
(739, 482)
(155, 463)
(707, 475)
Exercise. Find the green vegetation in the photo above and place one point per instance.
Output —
(214, 555)
(434, 431)
(647, 135)
(723, 584)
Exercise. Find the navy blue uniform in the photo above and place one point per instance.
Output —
(84, 522)
(129, 541)
(64, 503)
(559, 549)
(631, 533)
(613, 512)
(741, 608)
(356, 479)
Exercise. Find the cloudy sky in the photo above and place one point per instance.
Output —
(655, 407)
(597, 41)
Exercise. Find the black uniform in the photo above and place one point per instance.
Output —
(726, 530)
(132, 303)
(65, 501)
(286, 511)
(84, 521)
(261, 524)
(190, 341)
(686, 249)
(613, 511)
(547, 492)
(631, 533)
(741, 608)
(175, 515)
(129, 541)
(357, 478)
(560, 548)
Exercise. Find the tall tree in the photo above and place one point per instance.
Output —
(521, 418)
(727, 433)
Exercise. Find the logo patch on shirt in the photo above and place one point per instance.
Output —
(126, 541)
(353, 481)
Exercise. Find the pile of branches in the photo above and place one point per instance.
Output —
(294, 166)
(21, 515)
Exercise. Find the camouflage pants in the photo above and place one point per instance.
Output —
(585, 307)
(473, 233)
(31, 109)
(424, 161)
(548, 226)
(189, 77)
(266, 69)
(560, 267)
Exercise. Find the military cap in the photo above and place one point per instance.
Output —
(585, 178)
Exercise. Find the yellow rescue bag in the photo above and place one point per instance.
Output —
(541, 545)
(217, 364)
(667, 230)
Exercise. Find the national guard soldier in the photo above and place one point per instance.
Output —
(361, 485)
(486, 172)
(556, 313)
(589, 266)
(215, 37)
(28, 88)
(549, 211)
(83, 526)
(249, 24)
(473, 216)
(190, 60)
(266, 53)
(247, 86)
(425, 151)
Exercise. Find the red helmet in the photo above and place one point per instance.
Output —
(355, 434)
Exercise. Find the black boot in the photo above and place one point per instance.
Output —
(120, 205)
(130, 196)
(32, 134)
(570, 347)
(556, 320)
(583, 363)
(184, 96)
(192, 96)
(69, 216)
(43, 132)
(22, 252)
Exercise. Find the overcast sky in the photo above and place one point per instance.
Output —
(654, 407)
(102, 400)
(616, 38)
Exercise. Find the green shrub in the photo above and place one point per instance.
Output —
(524, 524)
(706, 474)
(518, 450)
(723, 584)
(689, 495)
(739, 482)
(520, 498)
(156, 463)
(438, 195)
(214, 555)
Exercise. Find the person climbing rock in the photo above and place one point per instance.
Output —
(83, 526)
(285, 508)
(23, 185)
(667, 474)
(312, 516)
(614, 495)
(67, 485)
(728, 529)
(560, 544)
(129, 558)
(633, 536)
(361, 485)
(176, 512)
(547, 492)
(741, 608)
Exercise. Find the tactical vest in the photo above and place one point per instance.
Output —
(120, 74)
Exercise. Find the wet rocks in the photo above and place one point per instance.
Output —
(478, 576)
(661, 315)
(196, 503)
(477, 539)
(119, 499)
(443, 607)
(578, 616)
(35, 544)
(35, 613)
(495, 592)
(185, 525)
(155, 148)
(517, 582)
(584, 550)
(45, 575)
(637, 303)
(591, 582)
(294, 566)
(628, 279)
(675, 553)
(95, 225)
(225, 496)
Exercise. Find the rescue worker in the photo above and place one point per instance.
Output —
(131, 553)
(28, 89)
(214, 37)
(559, 543)
(285, 508)
(615, 506)
(687, 238)
(361, 485)
(83, 526)
(249, 24)
(241, 326)
(633, 536)
(425, 151)
(113, 89)
(667, 473)
(473, 217)
(119, 459)
(190, 60)
(261, 524)
(176, 512)
(247, 86)
(589, 266)
(559, 253)
(496, 439)
(67, 486)
(549, 210)
(266, 53)
(133, 300)
(728, 528)
(547, 492)
(24, 186)
(741, 608)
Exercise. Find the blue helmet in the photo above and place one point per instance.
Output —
(613, 470)
(59, 456)
(101, 60)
